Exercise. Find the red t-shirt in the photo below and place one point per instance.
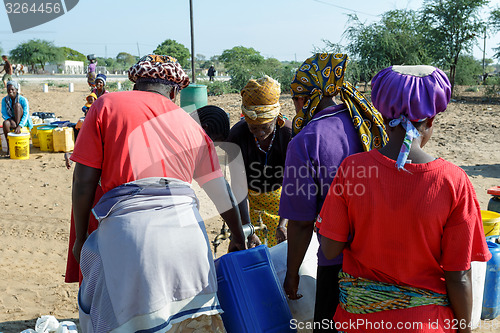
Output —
(132, 135)
(406, 227)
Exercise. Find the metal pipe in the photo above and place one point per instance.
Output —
(193, 80)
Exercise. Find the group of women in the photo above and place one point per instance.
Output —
(409, 237)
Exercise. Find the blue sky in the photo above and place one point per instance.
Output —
(283, 29)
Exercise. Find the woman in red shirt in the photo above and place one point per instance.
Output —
(408, 223)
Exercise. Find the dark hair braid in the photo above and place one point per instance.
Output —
(215, 120)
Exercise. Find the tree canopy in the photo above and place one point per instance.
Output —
(126, 59)
(172, 48)
(494, 22)
(452, 26)
(395, 40)
(241, 56)
(70, 54)
(37, 52)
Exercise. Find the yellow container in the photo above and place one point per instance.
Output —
(45, 137)
(19, 146)
(491, 223)
(63, 139)
(34, 135)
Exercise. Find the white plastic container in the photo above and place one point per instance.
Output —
(302, 309)
(478, 272)
(71, 87)
(5, 147)
(50, 120)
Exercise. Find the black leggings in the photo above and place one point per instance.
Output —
(327, 297)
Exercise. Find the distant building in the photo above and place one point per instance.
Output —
(66, 67)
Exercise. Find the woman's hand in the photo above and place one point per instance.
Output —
(281, 234)
(233, 246)
(77, 248)
(67, 161)
(291, 286)
(253, 241)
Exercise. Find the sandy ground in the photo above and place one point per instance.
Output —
(34, 227)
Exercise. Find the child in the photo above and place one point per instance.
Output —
(90, 99)
(409, 224)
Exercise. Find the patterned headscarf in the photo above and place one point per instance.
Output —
(406, 94)
(323, 75)
(159, 69)
(260, 101)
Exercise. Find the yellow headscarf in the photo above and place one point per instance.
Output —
(260, 101)
(323, 75)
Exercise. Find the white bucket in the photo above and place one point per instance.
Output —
(5, 146)
(71, 87)
(302, 309)
(50, 120)
(478, 272)
(45, 87)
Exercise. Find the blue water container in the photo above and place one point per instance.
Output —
(250, 294)
(491, 298)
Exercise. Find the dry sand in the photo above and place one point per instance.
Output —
(34, 227)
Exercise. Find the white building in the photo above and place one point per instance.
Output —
(66, 67)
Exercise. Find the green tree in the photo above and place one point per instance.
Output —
(452, 26)
(495, 26)
(242, 64)
(469, 71)
(172, 48)
(241, 56)
(37, 52)
(70, 54)
(126, 59)
(395, 40)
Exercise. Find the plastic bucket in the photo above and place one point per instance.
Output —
(5, 146)
(34, 135)
(19, 146)
(45, 138)
(491, 223)
(63, 139)
(478, 276)
(194, 97)
(494, 203)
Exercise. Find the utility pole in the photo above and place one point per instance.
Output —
(192, 41)
(138, 51)
(484, 56)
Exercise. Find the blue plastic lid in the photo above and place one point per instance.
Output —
(492, 246)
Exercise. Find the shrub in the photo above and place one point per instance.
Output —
(472, 89)
(217, 88)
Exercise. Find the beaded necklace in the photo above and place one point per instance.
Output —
(268, 149)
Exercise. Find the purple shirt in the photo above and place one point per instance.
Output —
(312, 160)
(91, 68)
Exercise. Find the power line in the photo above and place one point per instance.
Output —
(351, 10)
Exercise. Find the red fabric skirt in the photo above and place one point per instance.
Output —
(73, 273)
